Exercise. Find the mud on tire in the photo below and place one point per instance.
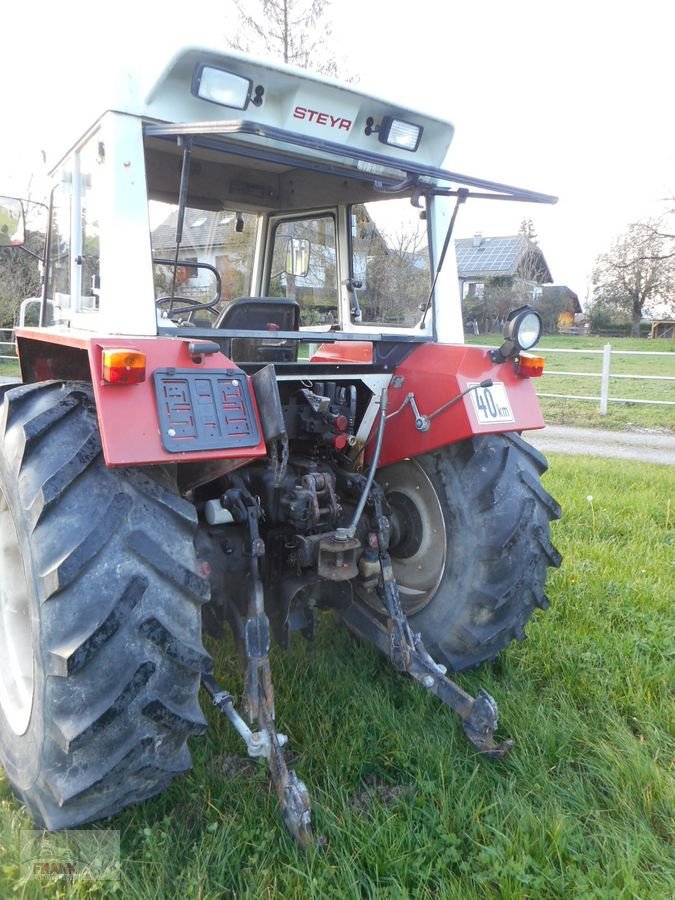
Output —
(100, 612)
(471, 544)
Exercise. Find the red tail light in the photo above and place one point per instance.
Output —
(123, 366)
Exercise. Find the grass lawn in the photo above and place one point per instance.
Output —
(9, 368)
(582, 807)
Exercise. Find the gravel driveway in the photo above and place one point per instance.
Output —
(643, 445)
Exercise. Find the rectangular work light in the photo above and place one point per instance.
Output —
(221, 87)
(398, 133)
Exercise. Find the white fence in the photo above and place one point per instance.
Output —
(604, 375)
(7, 345)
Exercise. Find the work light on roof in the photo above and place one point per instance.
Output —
(221, 87)
(398, 133)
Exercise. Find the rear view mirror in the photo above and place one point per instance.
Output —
(297, 257)
(12, 223)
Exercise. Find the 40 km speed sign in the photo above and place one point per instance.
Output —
(491, 404)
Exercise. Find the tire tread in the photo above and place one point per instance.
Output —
(499, 547)
(111, 602)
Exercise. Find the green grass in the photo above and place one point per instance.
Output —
(582, 807)
(9, 367)
(586, 413)
(585, 342)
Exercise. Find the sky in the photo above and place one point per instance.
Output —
(572, 97)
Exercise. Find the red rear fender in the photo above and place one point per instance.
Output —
(432, 376)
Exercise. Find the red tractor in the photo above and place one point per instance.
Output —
(247, 400)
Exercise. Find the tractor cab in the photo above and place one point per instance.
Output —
(232, 179)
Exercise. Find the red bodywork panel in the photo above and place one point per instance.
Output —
(435, 374)
(127, 414)
(344, 352)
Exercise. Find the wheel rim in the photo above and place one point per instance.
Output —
(418, 535)
(16, 634)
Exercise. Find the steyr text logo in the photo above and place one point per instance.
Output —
(321, 118)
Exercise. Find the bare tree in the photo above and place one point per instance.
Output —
(19, 279)
(19, 268)
(528, 230)
(663, 227)
(298, 32)
(636, 274)
(397, 279)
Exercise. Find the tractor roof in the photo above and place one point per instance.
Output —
(281, 119)
(292, 100)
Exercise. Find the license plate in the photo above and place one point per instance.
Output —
(491, 404)
(205, 410)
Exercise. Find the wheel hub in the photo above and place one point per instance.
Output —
(418, 534)
(16, 644)
(406, 526)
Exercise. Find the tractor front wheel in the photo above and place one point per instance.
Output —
(470, 544)
(100, 615)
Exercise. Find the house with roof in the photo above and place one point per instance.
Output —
(663, 328)
(560, 309)
(222, 239)
(498, 273)
(509, 260)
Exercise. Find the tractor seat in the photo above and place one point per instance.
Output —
(260, 314)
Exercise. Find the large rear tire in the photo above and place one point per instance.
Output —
(100, 615)
(470, 544)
